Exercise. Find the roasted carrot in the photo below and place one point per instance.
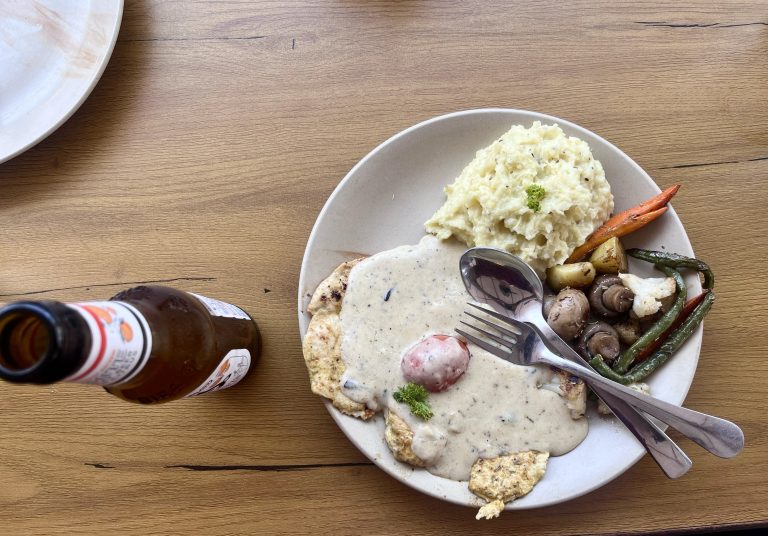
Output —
(629, 217)
(654, 203)
(654, 345)
(630, 224)
(649, 205)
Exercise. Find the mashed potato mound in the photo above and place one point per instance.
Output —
(497, 200)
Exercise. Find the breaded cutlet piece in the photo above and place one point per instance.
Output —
(399, 438)
(505, 478)
(322, 342)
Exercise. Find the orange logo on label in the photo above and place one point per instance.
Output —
(102, 314)
(224, 366)
(126, 332)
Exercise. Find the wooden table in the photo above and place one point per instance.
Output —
(205, 153)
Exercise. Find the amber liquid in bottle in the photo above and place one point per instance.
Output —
(147, 344)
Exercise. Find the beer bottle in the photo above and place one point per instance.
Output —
(147, 344)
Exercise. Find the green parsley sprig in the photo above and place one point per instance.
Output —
(535, 194)
(415, 396)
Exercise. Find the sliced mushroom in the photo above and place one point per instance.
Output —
(609, 297)
(569, 313)
(629, 331)
(599, 338)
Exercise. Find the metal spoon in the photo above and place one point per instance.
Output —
(511, 287)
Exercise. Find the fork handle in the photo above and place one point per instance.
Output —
(665, 452)
(718, 436)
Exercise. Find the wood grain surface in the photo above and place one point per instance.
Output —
(202, 159)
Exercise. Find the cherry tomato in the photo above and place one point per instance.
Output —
(436, 362)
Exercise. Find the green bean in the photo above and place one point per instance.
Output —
(673, 260)
(675, 341)
(602, 368)
(662, 355)
(624, 361)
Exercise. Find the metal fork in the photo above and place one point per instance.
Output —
(524, 346)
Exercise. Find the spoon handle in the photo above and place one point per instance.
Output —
(718, 436)
(665, 452)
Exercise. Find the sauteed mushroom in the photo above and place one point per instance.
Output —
(568, 314)
(609, 297)
(629, 330)
(599, 338)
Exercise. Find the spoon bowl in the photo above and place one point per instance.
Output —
(501, 280)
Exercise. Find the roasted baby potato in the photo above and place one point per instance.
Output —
(577, 275)
(609, 257)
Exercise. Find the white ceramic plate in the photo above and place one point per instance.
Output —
(52, 53)
(384, 201)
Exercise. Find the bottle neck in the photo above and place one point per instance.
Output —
(41, 342)
(103, 343)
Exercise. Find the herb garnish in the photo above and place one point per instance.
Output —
(535, 195)
(415, 396)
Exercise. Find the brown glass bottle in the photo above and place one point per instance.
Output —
(147, 344)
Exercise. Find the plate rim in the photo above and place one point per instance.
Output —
(339, 417)
(88, 89)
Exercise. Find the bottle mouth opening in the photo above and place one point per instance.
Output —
(27, 339)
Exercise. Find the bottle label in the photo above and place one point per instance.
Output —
(220, 308)
(120, 343)
(231, 370)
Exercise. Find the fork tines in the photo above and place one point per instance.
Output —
(505, 342)
(510, 323)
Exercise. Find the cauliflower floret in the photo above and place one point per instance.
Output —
(643, 388)
(648, 292)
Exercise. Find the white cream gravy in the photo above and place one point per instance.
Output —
(396, 298)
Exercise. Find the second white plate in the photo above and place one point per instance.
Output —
(52, 54)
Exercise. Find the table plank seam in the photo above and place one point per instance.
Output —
(296, 467)
(155, 39)
(718, 163)
(662, 24)
(119, 283)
